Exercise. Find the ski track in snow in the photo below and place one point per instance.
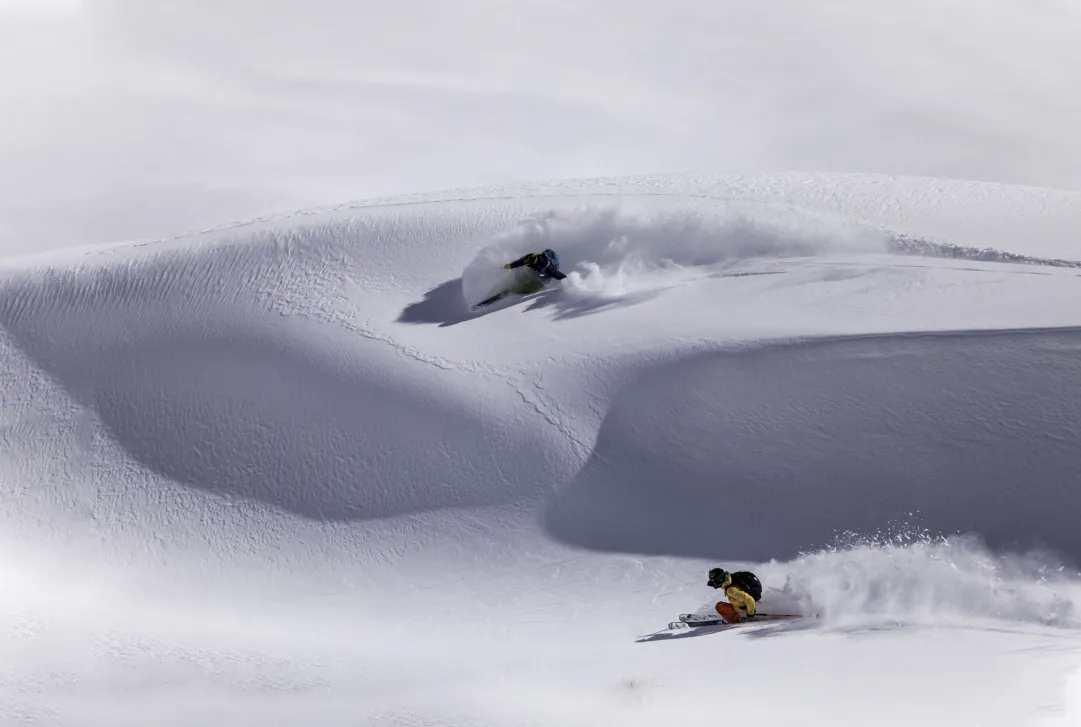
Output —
(301, 413)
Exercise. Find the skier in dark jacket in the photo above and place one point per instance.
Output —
(544, 264)
(541, 267)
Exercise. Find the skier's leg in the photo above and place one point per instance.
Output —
(728, 612)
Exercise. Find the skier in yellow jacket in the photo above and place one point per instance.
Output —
(743, 590)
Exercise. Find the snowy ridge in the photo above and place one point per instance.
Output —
(303, 417)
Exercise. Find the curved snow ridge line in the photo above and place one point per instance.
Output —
(749, 187)
(838, 194)
(923, 247)
(480, 196)
(644, 186)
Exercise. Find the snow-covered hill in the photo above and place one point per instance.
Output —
(277, 471)
(280, 472)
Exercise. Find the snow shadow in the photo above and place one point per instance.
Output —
(766, 453)
(670, 634)
(443, 306)
(203, 390)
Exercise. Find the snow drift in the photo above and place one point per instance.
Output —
(768, 452)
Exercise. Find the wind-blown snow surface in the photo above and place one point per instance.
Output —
(279, 473)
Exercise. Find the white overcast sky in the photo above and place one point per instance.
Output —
(142, 118)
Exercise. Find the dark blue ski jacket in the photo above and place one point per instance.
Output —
(544, 264)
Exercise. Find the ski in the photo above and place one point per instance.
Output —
(523, 292)
(493, 299)
(690, 620)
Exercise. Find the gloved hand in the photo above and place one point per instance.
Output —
(507, 266)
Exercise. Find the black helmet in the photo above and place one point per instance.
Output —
(717, 577)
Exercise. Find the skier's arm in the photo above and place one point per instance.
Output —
(517, 263)
(743, 601)
(557, 275)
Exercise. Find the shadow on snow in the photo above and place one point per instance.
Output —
(444, 305)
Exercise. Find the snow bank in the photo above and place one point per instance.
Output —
(768, 452)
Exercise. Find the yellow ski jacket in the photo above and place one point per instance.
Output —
(742, 601)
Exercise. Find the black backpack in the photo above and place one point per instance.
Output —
(748, 583)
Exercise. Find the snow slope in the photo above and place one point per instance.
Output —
(278, 472)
